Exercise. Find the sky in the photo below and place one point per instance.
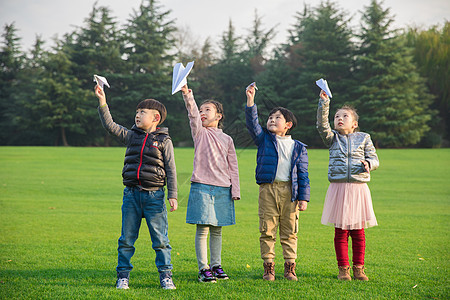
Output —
(202, 18)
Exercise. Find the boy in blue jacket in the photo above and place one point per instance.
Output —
(282, 175)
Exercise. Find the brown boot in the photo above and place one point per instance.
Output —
(358, 273)
(289, 271)
(269, 271)
(344, 273)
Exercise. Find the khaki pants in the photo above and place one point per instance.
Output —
(277, 209)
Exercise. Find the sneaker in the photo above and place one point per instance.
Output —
(165, 279)
(122, 283)
(205, 275)
(219, 273)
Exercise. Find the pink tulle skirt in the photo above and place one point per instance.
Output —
(348, 206)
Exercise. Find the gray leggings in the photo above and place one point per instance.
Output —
(215, 245)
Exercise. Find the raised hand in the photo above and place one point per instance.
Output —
(323, 95)
(250, 92)
(185, 89)
(100, 95)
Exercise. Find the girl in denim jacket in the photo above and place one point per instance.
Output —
(214, 183)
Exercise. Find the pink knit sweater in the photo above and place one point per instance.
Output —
(215, 161)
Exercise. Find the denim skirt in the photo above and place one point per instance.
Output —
(210, 205)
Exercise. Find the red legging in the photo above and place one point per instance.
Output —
(341, 246)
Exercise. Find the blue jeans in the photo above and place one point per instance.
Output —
(138, 204)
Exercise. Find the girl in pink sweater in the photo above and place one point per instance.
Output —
(214, 183)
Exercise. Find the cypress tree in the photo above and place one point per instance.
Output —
(392, 98)
(97, 48)
(11, 66)
(319, 46)
(148, 42)
(432, 56)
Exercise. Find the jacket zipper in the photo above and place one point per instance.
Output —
(348, 158)
(140, 158)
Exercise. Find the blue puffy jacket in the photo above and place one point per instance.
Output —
(267, 157)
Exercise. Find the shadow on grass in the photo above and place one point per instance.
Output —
(107, 278)
(143, 279)
(79, 278)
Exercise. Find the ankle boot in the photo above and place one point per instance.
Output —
(289, 271)
(269, 271)
(344, 273)
(358, 273)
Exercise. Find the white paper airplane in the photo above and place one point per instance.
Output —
(252, 84)
(101, 81)
(179, 76)
(322, 83)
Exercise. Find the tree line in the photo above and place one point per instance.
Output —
(398, 79)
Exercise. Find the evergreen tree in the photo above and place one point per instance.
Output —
(319, 46)
(97, 48)
(231, 74)
(149, 41)
(393, 101)
(203, 76)
(59, 105)
(24, 120)
(11, 65)
(188, 49)
(432, 56)
(257, 42)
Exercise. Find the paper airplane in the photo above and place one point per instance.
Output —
(101, 81)
(252, 84)
(179, 76)
(322, 83)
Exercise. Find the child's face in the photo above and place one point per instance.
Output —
(344, 122)
(209, 115)
(146, 119)
(277, 124)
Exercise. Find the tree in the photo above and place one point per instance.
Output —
(11, 65)
(393, 101)
(23, 119)
(319, 46)
(231, 74)
(432, 56)
(97, 48)
(149, 40)
(59, 104)
(257, 42)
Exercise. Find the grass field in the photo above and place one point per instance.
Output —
(60, 221)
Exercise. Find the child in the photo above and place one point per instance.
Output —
(348, 204)
(214, 183)
(282, 173)
(149, 162)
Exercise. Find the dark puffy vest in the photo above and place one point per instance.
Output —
(144, 163)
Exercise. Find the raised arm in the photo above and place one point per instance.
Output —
(193, 114)
(250, 92)
(106, 118)
(322, 124)
(251, 116)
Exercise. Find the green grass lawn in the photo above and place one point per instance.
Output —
(60, 221)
